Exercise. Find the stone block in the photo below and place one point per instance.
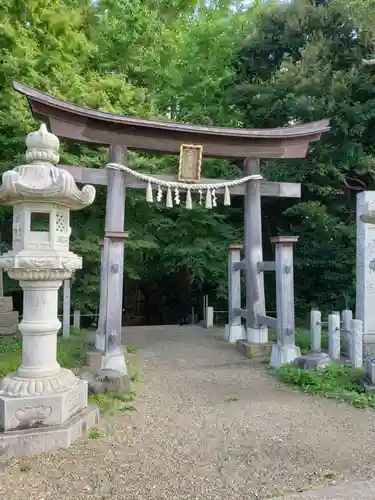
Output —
(6, 304)
(368, 345)
(260, 352)
(106, 381)
(283, 354)
(257, 335)
(370, 369)
(9, 330)
(9, 318)
(40, 440)
(313, 361)
(55, 408)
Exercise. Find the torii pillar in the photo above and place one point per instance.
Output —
(113, 265)
(255, 296)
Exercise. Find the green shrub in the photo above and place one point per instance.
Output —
(339, 382)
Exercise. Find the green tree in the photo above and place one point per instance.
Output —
(185, 62)
(182, 52)
(46, 44)
(163, 58)
(123, 57)
(302, 64)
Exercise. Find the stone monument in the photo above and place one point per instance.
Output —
(365, 268)
(42, 406)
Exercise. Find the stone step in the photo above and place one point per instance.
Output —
(8, 330)
(9, 318)
(6, 304)
(259, 352)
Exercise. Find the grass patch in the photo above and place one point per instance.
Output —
(126, 409)
(71, 352)
(339, 382)
(95, 434)
(131, 349)
(111, 402)
(10, 354)
(232, 399)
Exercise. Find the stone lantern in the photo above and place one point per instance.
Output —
(42, 405)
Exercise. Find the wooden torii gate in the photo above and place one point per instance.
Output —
(121, 133)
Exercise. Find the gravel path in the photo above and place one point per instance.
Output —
(209, 425)
(345, 491)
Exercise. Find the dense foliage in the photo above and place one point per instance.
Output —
(303, 63)
(217, 62)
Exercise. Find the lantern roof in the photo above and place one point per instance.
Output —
(40, 180)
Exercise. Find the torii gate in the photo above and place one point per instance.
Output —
(120, 133)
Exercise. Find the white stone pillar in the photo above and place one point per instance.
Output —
(316, 331)
(365, 268)
(334, 335)
(357, 343)
(346, 319)
(77, 319)
(66, 309)
(209, 317)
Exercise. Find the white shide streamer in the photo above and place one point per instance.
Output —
(177, 186)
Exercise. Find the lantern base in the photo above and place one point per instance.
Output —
(40, 440)
(42, 410)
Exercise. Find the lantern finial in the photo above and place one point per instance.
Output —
(42, 146)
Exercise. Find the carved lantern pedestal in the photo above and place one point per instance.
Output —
(42, 406)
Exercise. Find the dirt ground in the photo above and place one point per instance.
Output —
(209, 425)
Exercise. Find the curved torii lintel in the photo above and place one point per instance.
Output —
(98, 127)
